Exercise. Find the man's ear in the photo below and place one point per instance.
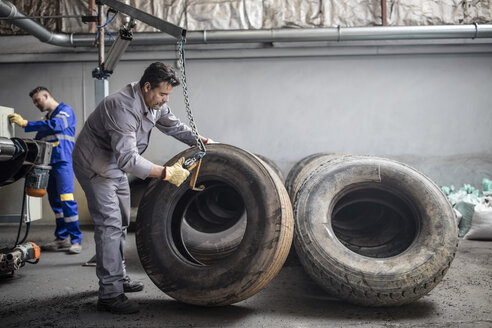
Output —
(147, 86)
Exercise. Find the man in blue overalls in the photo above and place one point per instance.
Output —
(58, 128)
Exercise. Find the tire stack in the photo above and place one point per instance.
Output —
(369, 230)
(221, 245)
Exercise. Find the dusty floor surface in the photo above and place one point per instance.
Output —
(60, 292)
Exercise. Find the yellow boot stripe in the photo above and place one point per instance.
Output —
(65, 197)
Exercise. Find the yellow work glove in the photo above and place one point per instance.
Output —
(17, 119)
(176, 174)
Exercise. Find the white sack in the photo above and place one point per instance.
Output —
(481, 227)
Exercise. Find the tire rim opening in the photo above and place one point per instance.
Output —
(209, 225)
(374, 222)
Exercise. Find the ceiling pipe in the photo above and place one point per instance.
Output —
(8, 10)
(470, 31)
(324, 34)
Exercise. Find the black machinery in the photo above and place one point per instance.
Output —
(29, 159)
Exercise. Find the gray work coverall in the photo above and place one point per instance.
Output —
(108, 147)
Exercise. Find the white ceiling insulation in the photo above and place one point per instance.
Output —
(195, 15)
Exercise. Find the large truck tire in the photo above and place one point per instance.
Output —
(373, 231)
(239, 189)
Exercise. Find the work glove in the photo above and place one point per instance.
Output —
(176, 174)
(17, 119)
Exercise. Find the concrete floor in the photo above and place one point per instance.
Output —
(60, 292)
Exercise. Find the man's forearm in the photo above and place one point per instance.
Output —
(156, 172)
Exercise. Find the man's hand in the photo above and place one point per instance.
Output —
(176, 174)
(17, 119)
(209, 141)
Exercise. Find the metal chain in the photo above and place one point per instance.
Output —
(181, 64)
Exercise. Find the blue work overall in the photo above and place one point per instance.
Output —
(59, 129)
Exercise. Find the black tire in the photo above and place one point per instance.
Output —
(373, 231)
(172, 264)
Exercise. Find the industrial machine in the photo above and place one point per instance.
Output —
(29, 159)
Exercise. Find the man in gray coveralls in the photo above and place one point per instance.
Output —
(109, 146)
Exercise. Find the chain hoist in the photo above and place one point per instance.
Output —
(182, 68)
(192, 163)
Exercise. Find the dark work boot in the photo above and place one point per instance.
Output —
(57, 245)
(132, 286)
(119, 304)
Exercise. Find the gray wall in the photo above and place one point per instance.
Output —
(429, 109)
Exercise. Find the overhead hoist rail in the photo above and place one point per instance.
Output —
(146, 18)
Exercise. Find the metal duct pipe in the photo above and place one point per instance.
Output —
(470, 31)
(8, 10)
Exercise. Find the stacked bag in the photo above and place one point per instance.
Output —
(473, 209)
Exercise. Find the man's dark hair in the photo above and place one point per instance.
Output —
(38, 89)
(159, 72)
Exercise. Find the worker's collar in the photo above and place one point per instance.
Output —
(51, 112)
